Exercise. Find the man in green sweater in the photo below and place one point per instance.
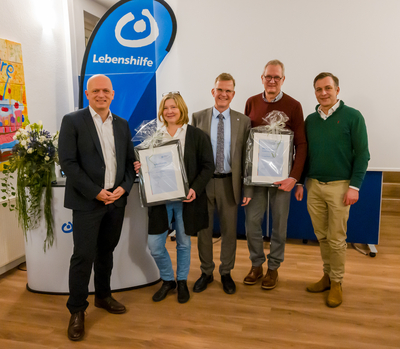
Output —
(336, 164)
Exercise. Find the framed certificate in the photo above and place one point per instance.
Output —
(268, 158)
(162, 174)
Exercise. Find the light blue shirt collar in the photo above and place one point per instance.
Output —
(226, 113)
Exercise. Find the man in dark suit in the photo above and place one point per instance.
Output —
(228, 130)
(96, 154)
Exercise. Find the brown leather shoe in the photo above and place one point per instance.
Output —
(270, 280)
(335, 296)
(76, 327)
(110, 304)
(254, 274)
(320, 286)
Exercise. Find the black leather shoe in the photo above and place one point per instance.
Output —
(110, 304)
(201, 284)
(183, 291)
(163, 291)
(76, 327)
(228, 284)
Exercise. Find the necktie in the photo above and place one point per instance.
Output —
(219, 162)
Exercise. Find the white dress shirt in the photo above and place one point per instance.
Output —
(179, 134)
(330, 111)
(105, 132)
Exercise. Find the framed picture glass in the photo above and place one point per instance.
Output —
(268, 158)
(162, 174)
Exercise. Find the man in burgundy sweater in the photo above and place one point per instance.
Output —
(257, 107)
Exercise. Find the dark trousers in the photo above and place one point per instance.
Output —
(96, 234)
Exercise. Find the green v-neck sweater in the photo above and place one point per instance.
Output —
(337, 146)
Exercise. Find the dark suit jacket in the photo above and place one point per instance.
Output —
(81, 159)
(199, 165)
(240, 127)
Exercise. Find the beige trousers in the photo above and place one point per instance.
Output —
(329, 218)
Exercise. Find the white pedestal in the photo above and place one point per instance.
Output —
(133, 264)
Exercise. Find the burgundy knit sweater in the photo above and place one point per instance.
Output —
(257, 108)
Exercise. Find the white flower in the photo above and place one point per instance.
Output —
(46, 158)
(23, 142)
(28, 128)
(18, 133)
(55, 143)
(42, 139)
(30, 150)
(14, 137)
(40, 123)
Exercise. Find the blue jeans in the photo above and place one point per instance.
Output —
(160, 254)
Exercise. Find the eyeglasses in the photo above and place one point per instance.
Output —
(220, 90)
(269, 78)
(171, 93)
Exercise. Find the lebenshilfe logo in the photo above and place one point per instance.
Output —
(128, 45)
(67, 228)
(139, 27)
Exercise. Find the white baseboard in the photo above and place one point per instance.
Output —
(12, 265)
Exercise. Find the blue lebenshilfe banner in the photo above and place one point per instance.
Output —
(128, 45)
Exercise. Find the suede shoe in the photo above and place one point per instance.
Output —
(110, 304)
(76, 327)
(270, 280)
(228, 284)
(320, 286)
(335, 296)
(163, 291)
(183, 291)
(254, 274)
(201, 284)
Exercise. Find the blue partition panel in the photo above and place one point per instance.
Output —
(365, 216)
(363, 224)
(364, 221)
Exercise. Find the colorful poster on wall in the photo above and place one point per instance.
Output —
(13, 108)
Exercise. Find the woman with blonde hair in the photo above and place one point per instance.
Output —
(191, 215)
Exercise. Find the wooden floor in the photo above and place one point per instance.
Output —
(286, 317)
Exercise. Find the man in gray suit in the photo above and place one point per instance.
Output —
(228, 130)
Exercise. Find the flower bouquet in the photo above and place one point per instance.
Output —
(33, 159)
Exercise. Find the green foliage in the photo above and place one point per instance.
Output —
(33, 159)
(7, 188)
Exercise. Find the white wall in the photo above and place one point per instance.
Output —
(357, 40)
(12, 241)
(40, 28)
(44, 56)
(77, 38)
(88, 6)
